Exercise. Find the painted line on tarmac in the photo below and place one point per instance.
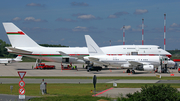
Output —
(103, 92)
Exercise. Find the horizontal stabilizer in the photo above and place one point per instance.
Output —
(63, 54)
(18, 51)
(67, 55)
(18, 58)
(96, 60)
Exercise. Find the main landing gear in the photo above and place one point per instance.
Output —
(128, 71)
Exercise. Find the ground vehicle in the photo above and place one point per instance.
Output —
(94, 68)
(179, 70)
(43, 66)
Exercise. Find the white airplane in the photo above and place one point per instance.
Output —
(134, 62)
(22, 44)
(10, 60)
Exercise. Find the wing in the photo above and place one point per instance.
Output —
(135, 63)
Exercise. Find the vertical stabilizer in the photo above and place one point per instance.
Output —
(17, 37)
(93, 48)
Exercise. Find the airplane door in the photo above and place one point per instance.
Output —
(40, 55)
(65, 60)
(137, 48)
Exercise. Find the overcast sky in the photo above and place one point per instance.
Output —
(66, 22)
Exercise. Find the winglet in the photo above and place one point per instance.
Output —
(93, 48)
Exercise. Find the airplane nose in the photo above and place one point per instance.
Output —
(173, 63)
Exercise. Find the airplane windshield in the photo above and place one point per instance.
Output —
(159, 47)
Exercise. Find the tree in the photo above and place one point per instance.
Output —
(3, 50)
(50, 45)
(155, 93)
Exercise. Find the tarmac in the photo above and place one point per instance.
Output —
(12, 69)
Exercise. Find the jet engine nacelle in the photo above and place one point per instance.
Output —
(148, 67)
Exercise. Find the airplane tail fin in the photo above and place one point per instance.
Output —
(18, 58)
(17, 37)
(93, 48)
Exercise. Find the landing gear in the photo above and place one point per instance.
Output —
(128, 71)
(133, 72)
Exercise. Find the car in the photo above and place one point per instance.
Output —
(94, 68)
(179, 70)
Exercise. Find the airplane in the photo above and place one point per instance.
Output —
(10, 60)
(22, 44)
(134, 62)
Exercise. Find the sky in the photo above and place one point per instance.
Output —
(66, 22)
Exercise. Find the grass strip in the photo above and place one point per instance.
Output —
(71, 98)
(68, 89)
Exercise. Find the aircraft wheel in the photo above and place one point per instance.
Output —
(128, 71)
(133, 72)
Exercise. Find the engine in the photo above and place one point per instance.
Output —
(145, 67)
(148, 67)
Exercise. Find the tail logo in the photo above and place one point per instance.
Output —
(15, 33)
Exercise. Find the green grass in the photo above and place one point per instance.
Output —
(113, 77)
(71, 98)
(68, 92)
(67, 89)
(54, 89)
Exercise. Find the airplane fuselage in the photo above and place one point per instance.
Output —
(125, 61)
(53, 53)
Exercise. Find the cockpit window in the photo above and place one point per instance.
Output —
(159, 47)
